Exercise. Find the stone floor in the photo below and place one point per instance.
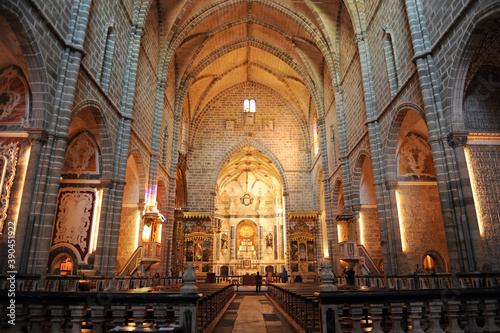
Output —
(252, 313)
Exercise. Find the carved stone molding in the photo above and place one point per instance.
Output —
(8, 162)
(457, 140)
(391, 184)
(73, 220)
(37, 136)
(13, 91)
(106, 183)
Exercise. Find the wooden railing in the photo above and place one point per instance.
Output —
(457, 310)
(40, 311)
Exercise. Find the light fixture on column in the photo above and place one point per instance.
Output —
(152, 217)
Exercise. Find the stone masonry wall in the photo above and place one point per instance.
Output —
(213, 140)
(422, 224)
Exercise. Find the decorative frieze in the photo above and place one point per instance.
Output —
(9, 149)
(74, 219)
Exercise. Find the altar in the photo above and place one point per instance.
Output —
(249, 280)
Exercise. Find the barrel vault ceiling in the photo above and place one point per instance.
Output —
(215, 45)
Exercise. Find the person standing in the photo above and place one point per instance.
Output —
(284, 277)
(258, 282)
(349, 271)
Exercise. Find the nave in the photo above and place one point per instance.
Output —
(252, 312)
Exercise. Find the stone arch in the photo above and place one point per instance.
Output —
(356, 177)
(357, 13)
(57, 255)
(107, 154)
(135, 154)
(185, 81)
(240, 145)
(17, 17)
(195, 124)
(336, 194)
(162, 195)
(458, 72)
(171, 44)
(140, 12)
(441, 265)
(390, 147)
(317, 183)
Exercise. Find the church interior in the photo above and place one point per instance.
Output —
(141, 137)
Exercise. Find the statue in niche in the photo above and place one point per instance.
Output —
(269, 240)
(302, 252)
(224, 241)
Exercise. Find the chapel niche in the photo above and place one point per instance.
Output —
(302, 245)
(198, 241)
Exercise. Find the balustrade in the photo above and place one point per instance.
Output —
(396, 311)
(38, 311)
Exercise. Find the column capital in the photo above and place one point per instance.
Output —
(457, 139)
(360, 37)
(391, 184)
(37, 135)
(356, 208)
(106, 183)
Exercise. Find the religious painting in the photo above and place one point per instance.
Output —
(295, 267)
(189, 251)
(311, 268)
(206, 251)
(310, 251)
(302, 252)
(295, 251)
(198, 252)
(205, 268)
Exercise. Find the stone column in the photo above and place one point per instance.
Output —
(47, 181)
(394, 249)
(331, 228)
(445, 162)
(24, 230)
(468, 221)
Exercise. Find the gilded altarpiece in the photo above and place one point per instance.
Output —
(178, 243)
(302, 243)
(198, 241)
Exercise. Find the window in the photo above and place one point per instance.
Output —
(315, 138)
(249, 105)
(334, 150)
(391, 62)
(107, 59)
(165, 146)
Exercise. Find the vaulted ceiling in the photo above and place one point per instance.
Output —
(215, 45)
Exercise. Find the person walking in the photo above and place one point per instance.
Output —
(258, 282)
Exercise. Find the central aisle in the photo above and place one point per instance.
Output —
(252, 313)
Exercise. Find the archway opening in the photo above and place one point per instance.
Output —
(250, 207)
